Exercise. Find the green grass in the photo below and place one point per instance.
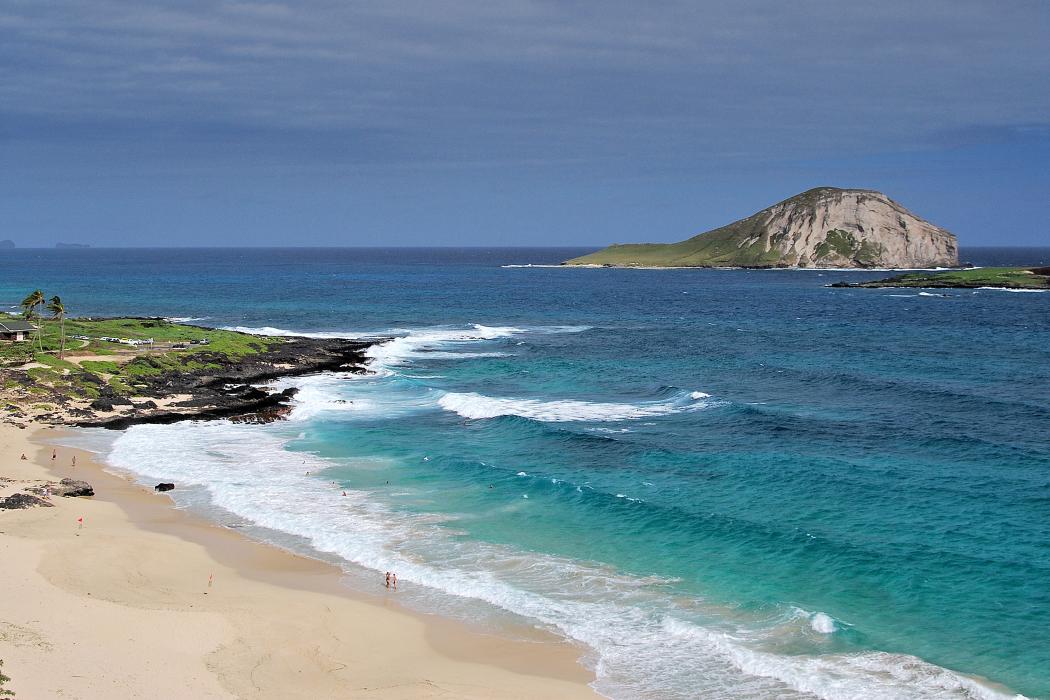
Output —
(228, 343)
(54, 362)
(101, 366)
(83, 380)
(121, 386)
(44, 375)
(16, 353)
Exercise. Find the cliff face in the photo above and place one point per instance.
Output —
(823, 227)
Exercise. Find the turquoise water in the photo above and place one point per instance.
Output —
(724, 483)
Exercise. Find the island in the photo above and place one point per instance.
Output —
(825, 227)
(982, 277)
(117, 372)
(76, 246)
(7, 244)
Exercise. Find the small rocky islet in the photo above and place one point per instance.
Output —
(1031, 278)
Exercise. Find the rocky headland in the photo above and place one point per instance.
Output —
(197, 374)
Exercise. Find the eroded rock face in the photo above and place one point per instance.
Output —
(853, 228)
(73, 487)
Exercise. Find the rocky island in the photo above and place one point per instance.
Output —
(825, 227)
(984, 277)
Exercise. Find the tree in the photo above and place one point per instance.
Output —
(58, 313)
(29, 306)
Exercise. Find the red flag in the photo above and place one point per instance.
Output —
(80, 519)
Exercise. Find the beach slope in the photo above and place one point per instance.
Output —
(142, 600)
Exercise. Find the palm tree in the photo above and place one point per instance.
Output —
(58, 312)
(29, 305)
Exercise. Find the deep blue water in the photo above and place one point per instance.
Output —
(725, 482)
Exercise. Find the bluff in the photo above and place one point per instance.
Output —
(822, 227)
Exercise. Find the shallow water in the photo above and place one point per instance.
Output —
(726, 483)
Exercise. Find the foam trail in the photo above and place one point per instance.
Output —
(445, 343)
(646, 644)
(1010, 289)
(476, 406)
(270, 330)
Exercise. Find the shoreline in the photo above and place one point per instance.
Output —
(272, 624)
(738, 267)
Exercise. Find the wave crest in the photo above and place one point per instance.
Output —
(476, 406)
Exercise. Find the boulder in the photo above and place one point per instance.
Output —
(163, 486)
(73, 487)
(23, 500)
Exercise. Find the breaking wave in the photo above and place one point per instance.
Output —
(645, 643)
(476, 406)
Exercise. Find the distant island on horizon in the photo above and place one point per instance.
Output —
(825, 227)
(8, 244)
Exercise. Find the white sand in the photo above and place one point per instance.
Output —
(122, 609)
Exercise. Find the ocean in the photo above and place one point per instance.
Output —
(720, 483)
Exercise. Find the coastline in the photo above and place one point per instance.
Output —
(787, 268)
(123, 607)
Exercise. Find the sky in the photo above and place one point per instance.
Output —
(511, 122)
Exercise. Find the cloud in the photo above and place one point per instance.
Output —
(526, 80)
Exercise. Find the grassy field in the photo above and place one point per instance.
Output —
(1008, 277)
(120, 365)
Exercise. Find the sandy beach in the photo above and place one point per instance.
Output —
(144, 600)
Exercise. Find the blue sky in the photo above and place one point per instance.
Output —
(511, 122)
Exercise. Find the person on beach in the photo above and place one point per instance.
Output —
(74, 460)
(388, 579)
(54, 453)
(23, 456)
(393, 579)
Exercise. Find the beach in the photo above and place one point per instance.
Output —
(143, 599)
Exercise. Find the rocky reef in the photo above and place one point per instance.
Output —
(226, 388)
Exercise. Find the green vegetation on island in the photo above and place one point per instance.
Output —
(1002, 277)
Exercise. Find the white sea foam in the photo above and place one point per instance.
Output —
(823, 623)
(1009, 289)
(446, 343)
(186, 319)
(354, 396)
(270, 330)
(646, 643)
(477, 406)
